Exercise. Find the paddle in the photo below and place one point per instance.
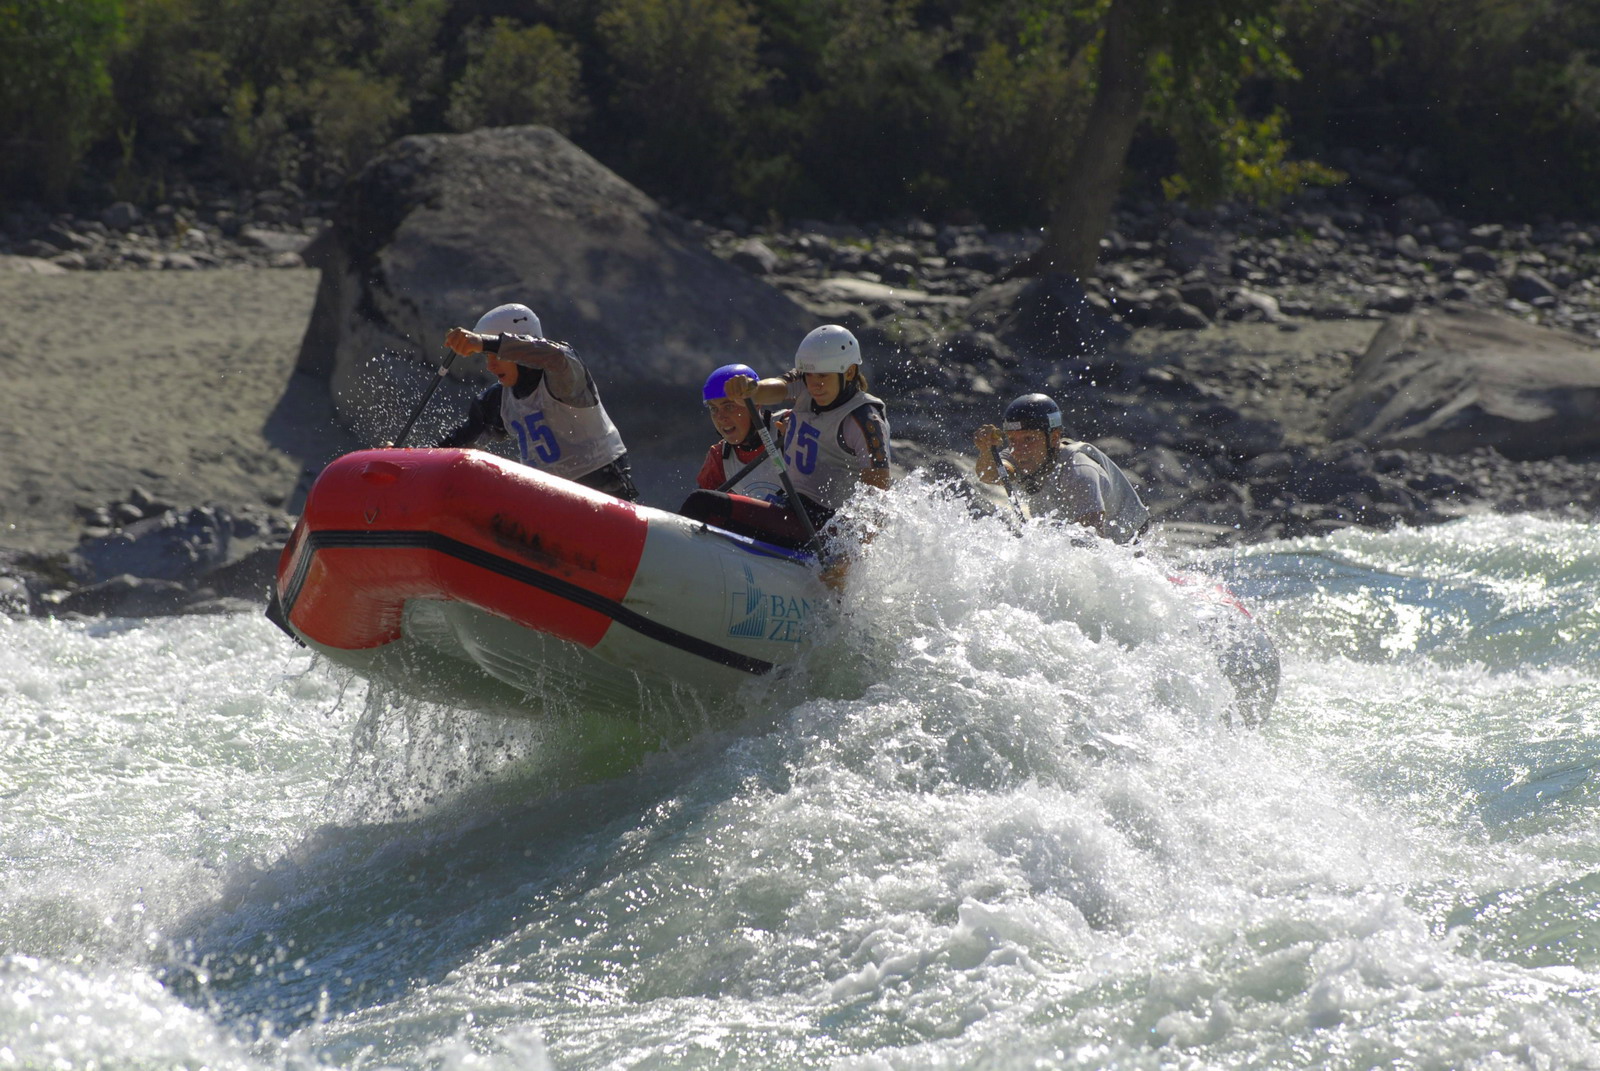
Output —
(1005, 481)
(749, 467)
(400, 440)
(783, 478)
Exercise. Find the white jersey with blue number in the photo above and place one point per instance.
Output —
(565, 440)
(826, 451)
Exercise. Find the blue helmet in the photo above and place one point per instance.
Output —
(716, 382)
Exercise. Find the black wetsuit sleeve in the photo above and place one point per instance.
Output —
(875, 433)
(483, 418)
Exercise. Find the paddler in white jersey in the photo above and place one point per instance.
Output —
(1073, 481)
(546, 398)
(835, 439)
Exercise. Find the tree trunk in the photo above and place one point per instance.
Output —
(1080, 207)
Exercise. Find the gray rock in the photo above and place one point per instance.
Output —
(1183, 317)
(1528, 285)
(1167, 472)
(1408, 247)
(754, 256)
(1415, 208)
(29, 265)
(147, 503)
(1255, 305)
(1276, 465)
(439, 228)
(168, 547)
(1462, 379)
(125, 596)
(121, 216)
(273, 241)
(1051, 316)
(15, 598)
(1189, 248)
(1202, 296)
(1392, 299)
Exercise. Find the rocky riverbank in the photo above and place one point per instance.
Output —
(1203, 354)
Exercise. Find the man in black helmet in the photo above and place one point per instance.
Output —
(1059, 477)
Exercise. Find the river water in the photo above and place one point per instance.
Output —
(995, 818)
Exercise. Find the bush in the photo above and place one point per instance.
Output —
(684, 71)
(517, 75)
(352, 115)
(258, 146)
(55, 87)
(1027, 89)
(878, 128)
(1496, 105)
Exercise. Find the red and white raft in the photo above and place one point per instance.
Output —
(409, 559)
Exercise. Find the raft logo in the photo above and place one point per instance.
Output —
(755, 614)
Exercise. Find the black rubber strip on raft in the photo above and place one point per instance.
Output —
(522, 574)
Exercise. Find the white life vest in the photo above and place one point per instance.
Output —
(1082, 480)
(820, 465)
(565, 440)
(760, 482)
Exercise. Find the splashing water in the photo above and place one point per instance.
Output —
(994, 818)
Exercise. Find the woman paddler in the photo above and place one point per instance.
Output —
(835, 438)
(736, 462)
(546, 398)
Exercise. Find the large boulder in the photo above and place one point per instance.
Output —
(440, 228)
(1050, 317)
(1459, 379)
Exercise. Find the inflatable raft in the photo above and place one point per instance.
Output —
(440, 568)
(407, 562)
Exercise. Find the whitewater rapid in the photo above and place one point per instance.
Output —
(996, 818)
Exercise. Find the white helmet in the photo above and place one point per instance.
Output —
(509, 320)
(830, 348)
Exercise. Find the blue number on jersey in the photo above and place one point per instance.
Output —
(535, 437)
(804, 456)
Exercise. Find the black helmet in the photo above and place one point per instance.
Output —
(1032, 412)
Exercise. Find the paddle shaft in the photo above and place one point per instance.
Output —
(783, 477)
(400, 440)
(1005, 481)
(750, 466)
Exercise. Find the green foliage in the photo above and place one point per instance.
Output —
(1021, 105)
(518, 74)
(1496, 103)
(876, 134)
(265, 42)
(827, 107)
(406, 36)
(1247, 161)
(166, 54)
(1198, 79)
(683, 72)
(258, 145)
(352, 115)
(54, 86)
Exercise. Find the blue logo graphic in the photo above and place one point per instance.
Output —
(754, 614)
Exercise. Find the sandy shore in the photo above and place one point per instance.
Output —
(182, 383)
(178, 382)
